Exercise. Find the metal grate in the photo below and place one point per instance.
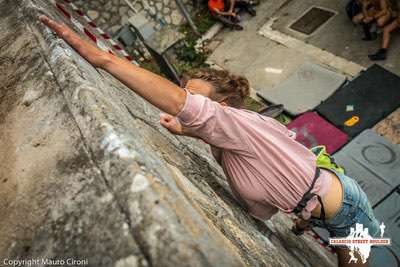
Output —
(312, 20)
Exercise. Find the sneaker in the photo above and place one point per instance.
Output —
(251, 11)
(380, 55)
(236, 19)
(238, 27)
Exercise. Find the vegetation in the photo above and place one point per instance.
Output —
(251, 104)
(187, 56)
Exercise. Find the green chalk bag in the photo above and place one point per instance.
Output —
(324, 160)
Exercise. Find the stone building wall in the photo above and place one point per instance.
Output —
(112, 14)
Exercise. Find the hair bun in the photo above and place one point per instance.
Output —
(235, 87)
(243, 86)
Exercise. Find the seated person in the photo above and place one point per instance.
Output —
(378, 11)
(395, 24)
(227, 16)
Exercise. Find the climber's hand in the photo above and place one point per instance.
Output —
(171, 123)
(91, 53)
(300, 226)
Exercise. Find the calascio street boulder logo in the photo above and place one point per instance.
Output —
(359, 240)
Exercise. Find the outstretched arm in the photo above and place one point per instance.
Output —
(158, 91)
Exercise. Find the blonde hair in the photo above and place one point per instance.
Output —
(233, 88)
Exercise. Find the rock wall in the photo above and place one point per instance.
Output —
(87, 172)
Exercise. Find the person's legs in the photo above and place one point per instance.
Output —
(227, 22)
(381, 53)
(368, 35)
(382, 21)
(246, 6)
(387, 31)
(357, 19)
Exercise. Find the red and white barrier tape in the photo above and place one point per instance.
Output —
(89, 34)
(321, 242)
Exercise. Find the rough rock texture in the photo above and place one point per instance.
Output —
(86, 171)
(390, 127)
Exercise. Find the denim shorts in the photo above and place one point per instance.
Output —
(355, 209)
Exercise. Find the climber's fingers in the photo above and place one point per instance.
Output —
(166, 120)
(63, 31)
(164, 123)
(60, 29)
(166, 117)
(90, 52)
(57, 27)
(171, 123)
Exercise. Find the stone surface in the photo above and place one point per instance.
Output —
(176, 17)
(119, 9)
(87, 172)
(390, 127)
(339, 35)
(233, 53)
(93, 14)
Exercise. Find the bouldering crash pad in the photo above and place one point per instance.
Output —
(374, 162)
(364, 101)
(312, 130)
(304, 89)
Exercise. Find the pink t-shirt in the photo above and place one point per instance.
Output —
(265, 167)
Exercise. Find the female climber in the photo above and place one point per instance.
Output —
(265, 167)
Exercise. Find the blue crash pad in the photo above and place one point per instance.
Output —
(388, 212)
(374, 162)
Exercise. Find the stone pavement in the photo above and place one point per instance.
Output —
(265, 61)
(338, 36)
(267, 56)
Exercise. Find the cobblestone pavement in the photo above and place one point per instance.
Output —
(110, 15)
